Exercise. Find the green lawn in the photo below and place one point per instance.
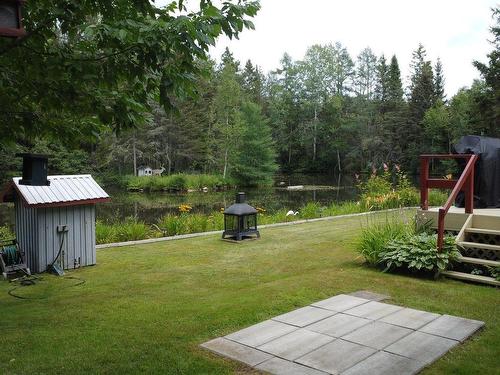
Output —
(145, 309)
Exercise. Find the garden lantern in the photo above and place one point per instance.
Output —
(11, 18)
(240, 220)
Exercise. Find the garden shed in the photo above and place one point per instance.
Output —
(54, 215)
(144, 171)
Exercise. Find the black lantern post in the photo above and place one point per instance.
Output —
(11, 19)
(240, 220)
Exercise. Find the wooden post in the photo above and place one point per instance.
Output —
(440, 239)
(424, 188)
(469, 192)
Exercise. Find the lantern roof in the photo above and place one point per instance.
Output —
(240, 208)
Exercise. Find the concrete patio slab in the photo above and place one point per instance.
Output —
(410, 318)
(452, 327)
(261, 333)
(336, 356)
(372, 296)
(295, 344)
(422, 347)
(373, 310)
(304, 316)
(383, 363)
(238, 352)
(346, 334)
(280, 366)
(377, 335)
(338, 325)
(340, 303)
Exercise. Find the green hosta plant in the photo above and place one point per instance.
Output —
(418, 253)
(494, 272)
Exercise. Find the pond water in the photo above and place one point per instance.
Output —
(148, 207)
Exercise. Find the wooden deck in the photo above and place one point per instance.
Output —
(477, 211)
(485, 218)
(477, 238)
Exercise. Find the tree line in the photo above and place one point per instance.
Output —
(328, 112)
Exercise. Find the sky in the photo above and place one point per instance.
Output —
(457, 31)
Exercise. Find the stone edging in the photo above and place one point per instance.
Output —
(201, 234)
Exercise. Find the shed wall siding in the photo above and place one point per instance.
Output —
(27, 232)
(79, 240)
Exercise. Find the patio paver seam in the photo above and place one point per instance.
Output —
(377, 349)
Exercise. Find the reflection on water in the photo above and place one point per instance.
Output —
(148, 207)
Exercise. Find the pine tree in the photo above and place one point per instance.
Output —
(422, 89)
(226, 130)
(439, 95)
(489, 101)
(381, 87)
(421, 98)
(255, 164)
(227, 59)
(395, 86)
(253, 82)
(395, 117)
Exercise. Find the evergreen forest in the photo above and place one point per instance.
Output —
(329, 112)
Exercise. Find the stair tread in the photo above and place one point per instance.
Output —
(469, 277)
(484, 262)
(479, 245)
(483, 231)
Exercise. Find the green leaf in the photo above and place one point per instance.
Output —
(211, 11)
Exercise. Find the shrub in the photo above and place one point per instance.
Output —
(437, 197)
(310, 211)
(377, 185)
(132, 230)
(171, 225)
(344, 208)
(6, 233)
(418, 253)
(105, 233)
(374, 239)
(129, 230)
(379, 193)
(177, 182)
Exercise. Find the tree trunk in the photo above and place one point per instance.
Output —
(314, 132)
(338, 161)
(135, 155)
(227, 149)
(225, 164)
(169, 160)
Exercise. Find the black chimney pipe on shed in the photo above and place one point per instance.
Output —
(34, 169)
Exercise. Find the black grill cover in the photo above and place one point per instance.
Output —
(487, 172)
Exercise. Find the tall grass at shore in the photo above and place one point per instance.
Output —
(178, 182)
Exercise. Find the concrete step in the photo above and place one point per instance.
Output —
(482, 262)
(469, 277)
(478, 245)
(492, 232)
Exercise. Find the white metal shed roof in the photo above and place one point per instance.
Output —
(62, 191)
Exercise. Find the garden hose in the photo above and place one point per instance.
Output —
(28, 281)
(11, 255)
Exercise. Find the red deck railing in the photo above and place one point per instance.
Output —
(465, 183)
